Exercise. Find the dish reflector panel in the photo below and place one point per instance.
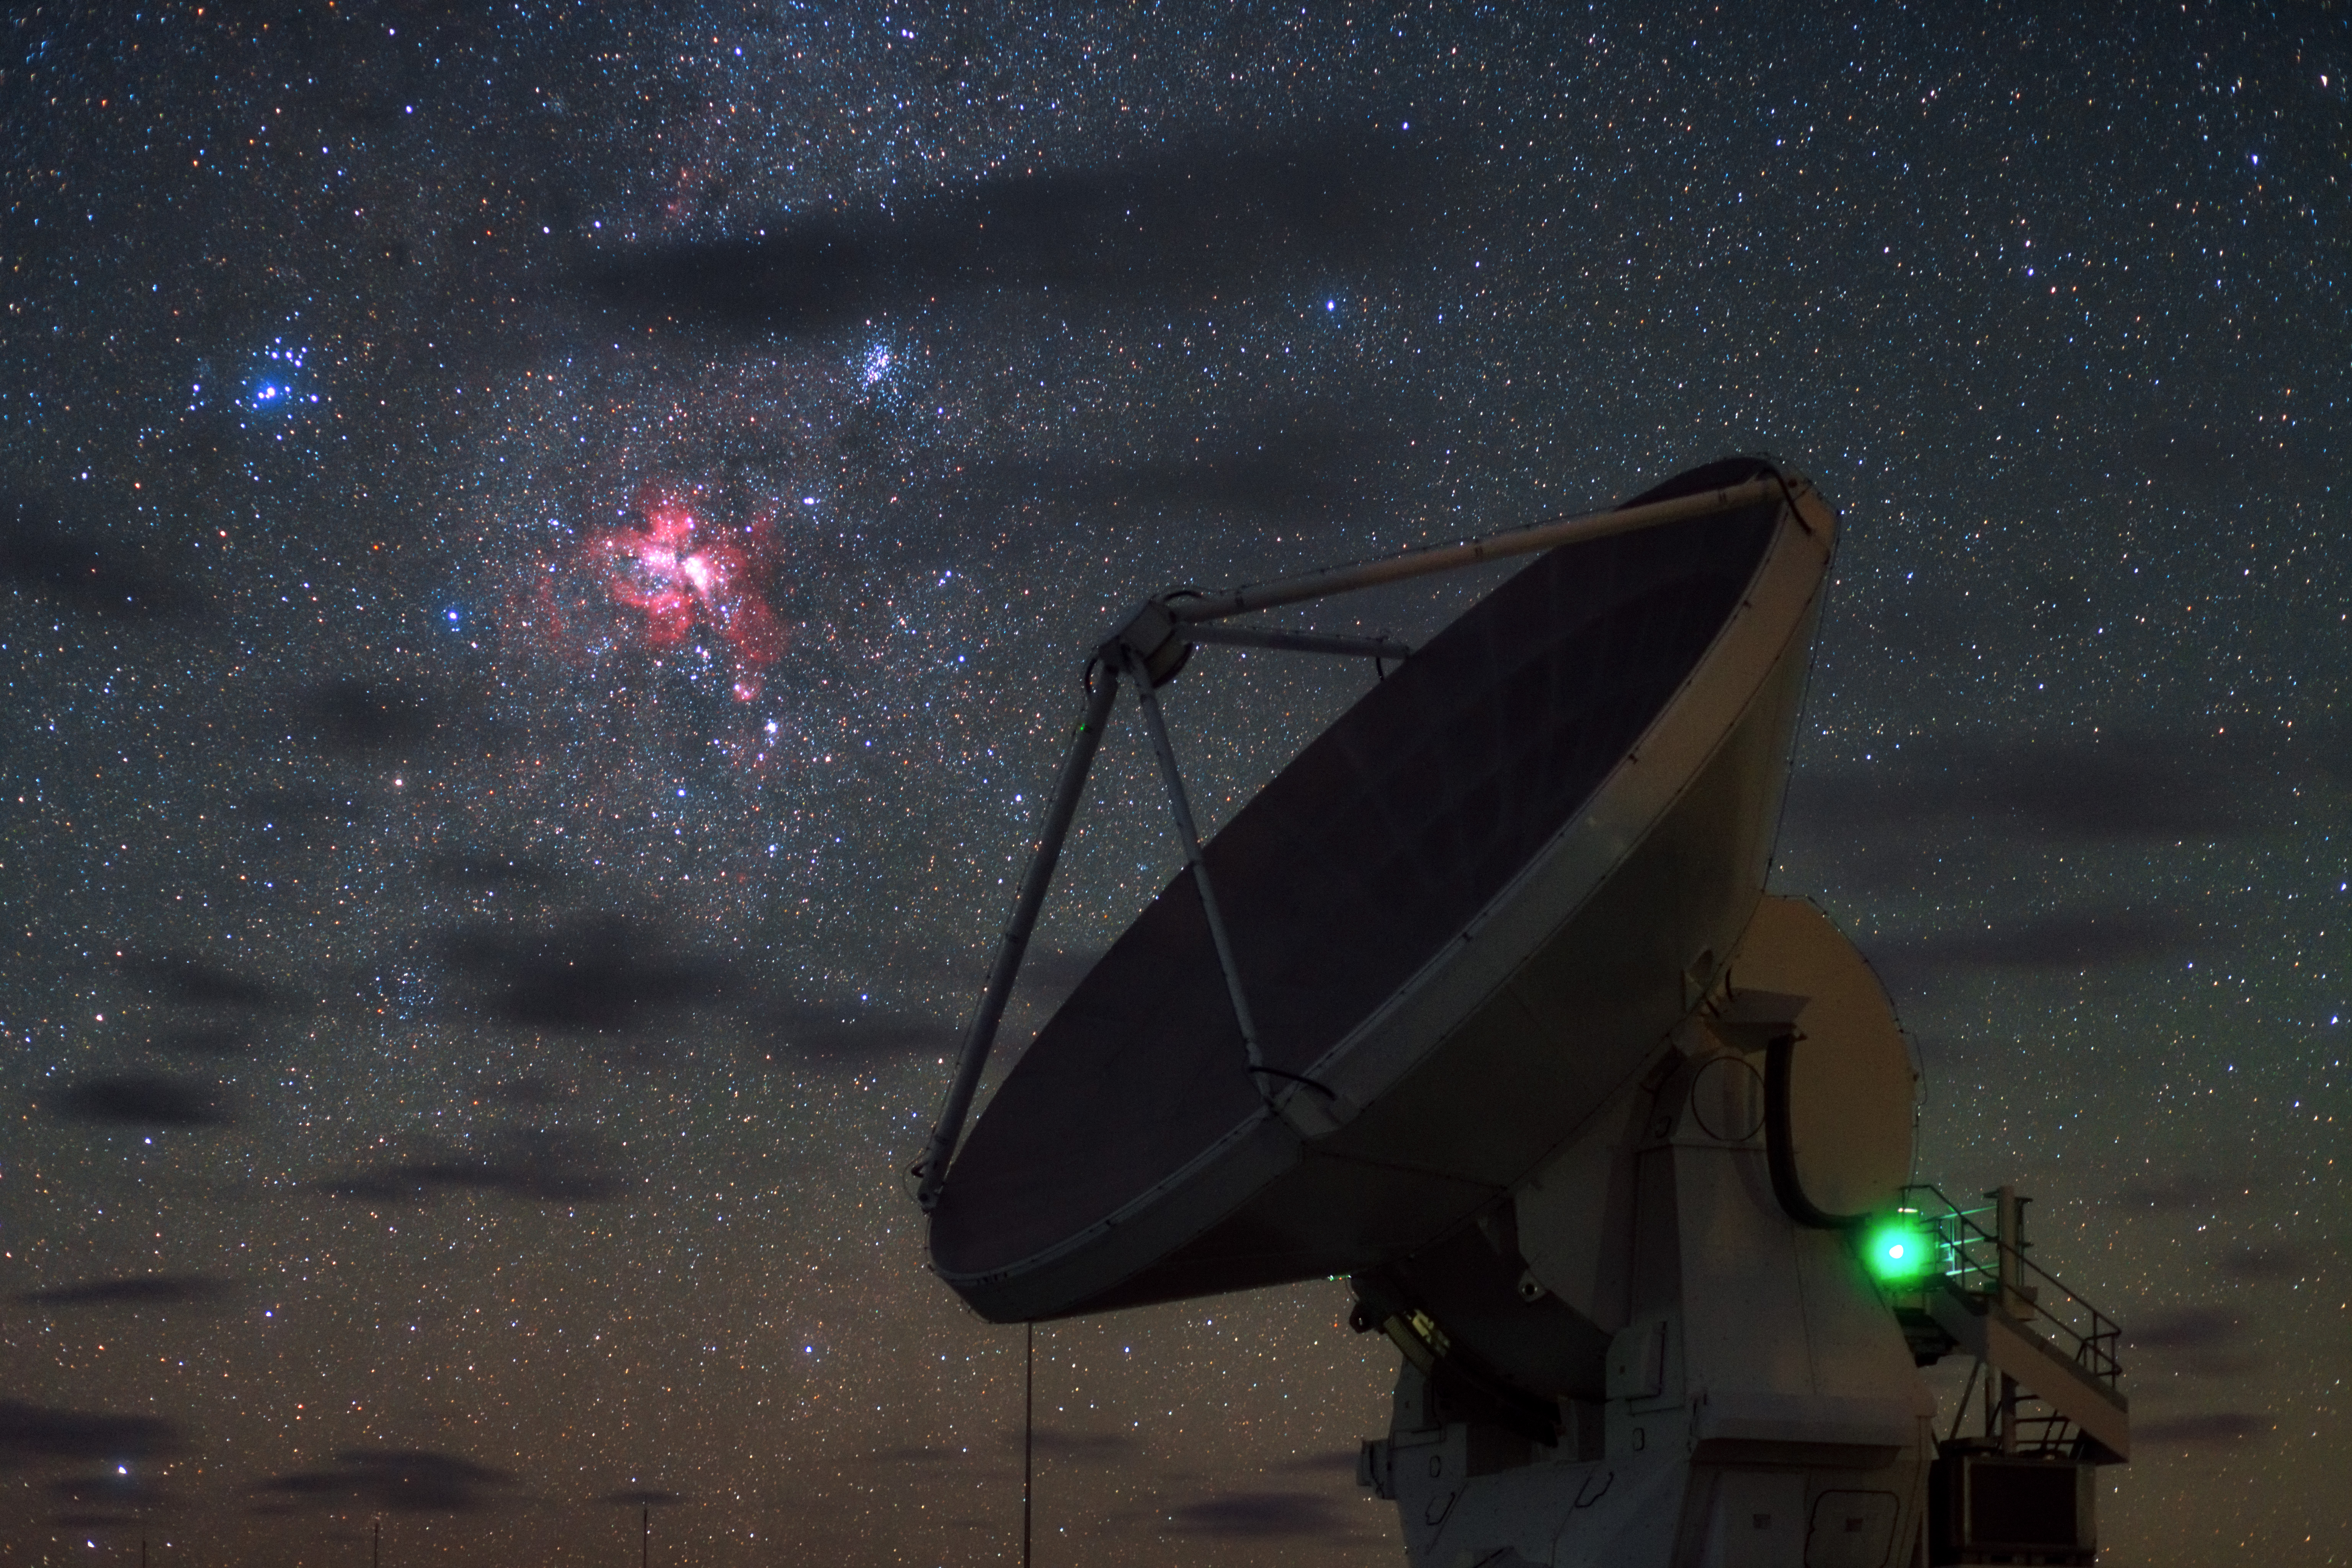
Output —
(1468, 912)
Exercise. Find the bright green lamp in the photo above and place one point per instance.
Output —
(1899, 1251)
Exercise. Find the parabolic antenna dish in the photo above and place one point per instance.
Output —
(1465, 917)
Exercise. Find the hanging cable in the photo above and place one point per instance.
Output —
(1028, 1428)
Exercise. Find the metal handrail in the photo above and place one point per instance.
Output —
(2056, 1433)
(1963, 1243)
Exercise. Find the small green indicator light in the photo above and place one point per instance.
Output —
(1899, 1251)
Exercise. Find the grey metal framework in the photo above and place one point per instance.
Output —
(2048, 1358)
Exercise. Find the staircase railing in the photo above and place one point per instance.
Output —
(1972, 1260)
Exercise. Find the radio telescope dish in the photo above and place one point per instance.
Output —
(1462, 918)
(1481, 1003)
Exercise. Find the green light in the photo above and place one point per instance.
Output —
(1900, 1251)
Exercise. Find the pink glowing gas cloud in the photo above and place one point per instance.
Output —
(680, 571)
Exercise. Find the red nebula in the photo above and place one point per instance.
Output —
(680, 571)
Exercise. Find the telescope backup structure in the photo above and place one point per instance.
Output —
(1481, 1003)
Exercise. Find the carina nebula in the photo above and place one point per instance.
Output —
(678, 571)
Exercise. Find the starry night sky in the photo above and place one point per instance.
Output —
(544, 551)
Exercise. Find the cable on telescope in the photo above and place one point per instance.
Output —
(1780, 1145)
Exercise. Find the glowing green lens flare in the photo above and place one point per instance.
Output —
(1900, 1251)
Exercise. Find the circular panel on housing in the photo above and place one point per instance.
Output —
(1464, 915)
(1852, 1085)
(1727, 1098)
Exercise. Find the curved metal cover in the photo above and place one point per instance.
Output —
(1471, 909)
(1854, 1099)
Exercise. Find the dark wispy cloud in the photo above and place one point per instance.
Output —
(595, 975)
(364, 717)
(854, 1036)
(2276, 1261)
(2127, 787)
(1186, 223)
(1303, 472)
(2185, 1329)
(534, 1090)
(85, 1496)
(193, 981)
(2183, 1192)
(144, 1100)
(918, 1454)
(84, 573)
(1050, 973)
(2198, 1341)
(548, 1167)
(394, 1481)
(1261, 1515)
(2071, 940)
(1078, 1445)
(486, 870)
(138, 1290)
(41, 1434)
(2207, 1428)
